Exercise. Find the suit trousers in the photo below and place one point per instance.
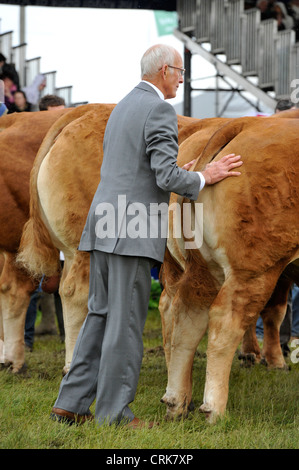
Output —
(108, 353)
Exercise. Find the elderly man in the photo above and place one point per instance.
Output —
(139, 170)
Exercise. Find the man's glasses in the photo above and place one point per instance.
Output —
(182, 71)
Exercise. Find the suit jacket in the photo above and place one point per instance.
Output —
(129, 210)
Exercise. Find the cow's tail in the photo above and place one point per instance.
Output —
(37, 252)
(221, 138)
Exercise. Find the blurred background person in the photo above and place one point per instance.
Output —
(285, 21)
(2, 62)
(3, 108)
(283, 105)
(33, 91)
(49, 102)
(20, 103)
(9, 88)
(9, 68)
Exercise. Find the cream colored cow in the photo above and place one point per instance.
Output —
(21, 135)
(250, 236)
(64, 179)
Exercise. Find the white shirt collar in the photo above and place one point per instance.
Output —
(155, 88)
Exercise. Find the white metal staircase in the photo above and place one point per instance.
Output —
(257, 47)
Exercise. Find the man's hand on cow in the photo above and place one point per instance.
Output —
(217, 171)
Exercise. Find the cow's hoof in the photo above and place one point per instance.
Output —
(23, 370)
(65, 370)
(272, 365)
(248, 359)
(175, 411)
(210, 414)
(283, 367)
(8, 365)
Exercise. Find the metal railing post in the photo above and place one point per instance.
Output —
(187, 83)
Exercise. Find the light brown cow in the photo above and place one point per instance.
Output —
(20, 137)
(64, 179)
(250, 236)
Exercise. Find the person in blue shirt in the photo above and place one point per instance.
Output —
(3, 109)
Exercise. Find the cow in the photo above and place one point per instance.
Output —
(64, 179)
(20, 137)
(245, 261)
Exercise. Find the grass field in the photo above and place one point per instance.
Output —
(263, 407)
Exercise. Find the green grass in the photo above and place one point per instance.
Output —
(263, 407)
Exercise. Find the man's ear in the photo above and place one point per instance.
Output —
(164, 71)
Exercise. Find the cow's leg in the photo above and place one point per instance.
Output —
(73, 290)
(1, 318)
(237, 305)
(250, 349)
(273, 315)
(166, 320)
(2, 358)
(15, 290)
(187, 329)
(171, 275)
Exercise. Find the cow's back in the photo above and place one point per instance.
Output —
(20, 137)
(250, 213)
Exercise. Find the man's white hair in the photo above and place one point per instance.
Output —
(155, 57)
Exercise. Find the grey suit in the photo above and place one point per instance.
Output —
(140, 153)
(139, 170)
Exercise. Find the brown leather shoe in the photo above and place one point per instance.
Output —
(63, 416)
(136, 423)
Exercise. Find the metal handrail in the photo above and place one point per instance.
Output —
(202, 23)
(6, 44)
(284, 43)
(187, 14)
(50, 83)
(266, 72)
(218, 27)
(19, 60)
(233, 39)
(32, 69)
(250, 41)
(65, 92)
